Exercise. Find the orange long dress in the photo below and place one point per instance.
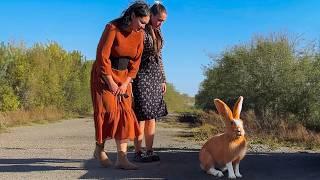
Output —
(114, 119)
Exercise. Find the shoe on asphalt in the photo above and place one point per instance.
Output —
(154, 156)
(141, 157)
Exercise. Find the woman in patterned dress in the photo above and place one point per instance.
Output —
(150, 85)
(118, 58)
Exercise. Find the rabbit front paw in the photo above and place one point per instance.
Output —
(238, 175)
(215, 172)
(232, 176)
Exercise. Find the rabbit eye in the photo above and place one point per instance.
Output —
(232, 123)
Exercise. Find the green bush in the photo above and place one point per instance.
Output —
(42, 76)
(276, 79)
(8, 100)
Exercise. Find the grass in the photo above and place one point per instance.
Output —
(36, 116)
(283, 133)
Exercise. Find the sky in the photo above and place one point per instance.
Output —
(193, 30)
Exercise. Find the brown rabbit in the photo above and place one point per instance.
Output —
(224, 151)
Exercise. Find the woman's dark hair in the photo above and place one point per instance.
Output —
(156, 9)
(139, 8)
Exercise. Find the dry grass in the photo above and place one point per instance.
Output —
(22, 117)
(282, 133)
(204, 132)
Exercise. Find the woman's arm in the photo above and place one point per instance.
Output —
(106, 41)
(163, 76)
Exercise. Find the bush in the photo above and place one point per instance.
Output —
(42, 76)
(275, 80)
(8, 100)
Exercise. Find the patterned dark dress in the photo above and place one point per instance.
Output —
(147, 86)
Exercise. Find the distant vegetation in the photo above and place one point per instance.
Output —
(178, 102)
(278, 77)
(42, 76)
(47, 82)
(44, 82)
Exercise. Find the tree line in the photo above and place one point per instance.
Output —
(46, 75)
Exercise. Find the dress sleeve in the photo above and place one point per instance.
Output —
(135, 62)
(160, 61)
(106, 42)
(163, 76)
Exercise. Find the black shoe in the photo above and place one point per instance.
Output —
(141, 157)
(153, 155)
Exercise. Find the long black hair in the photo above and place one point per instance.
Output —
(139, 8)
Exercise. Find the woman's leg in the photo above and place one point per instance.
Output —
(139, 156)
(122, 160)
(138, 140)
(99, 152)
(149, 130)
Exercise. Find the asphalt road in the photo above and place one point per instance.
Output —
(64, 150)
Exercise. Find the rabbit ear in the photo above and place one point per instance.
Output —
(237, 108)
(223, 109)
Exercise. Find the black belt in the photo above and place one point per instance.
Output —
(119, 63)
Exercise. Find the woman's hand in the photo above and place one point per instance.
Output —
(122, 92)
(164, 88)
(113, 86)
(122, 89)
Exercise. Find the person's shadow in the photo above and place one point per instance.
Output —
(172, 165)
(184, 164)
(179, 164)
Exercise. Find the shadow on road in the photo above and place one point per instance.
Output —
(179, 164)
(37, 164)
(184, 164)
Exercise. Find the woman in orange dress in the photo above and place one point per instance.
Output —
(117, 62)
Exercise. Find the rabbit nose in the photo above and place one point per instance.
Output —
(238, 132)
